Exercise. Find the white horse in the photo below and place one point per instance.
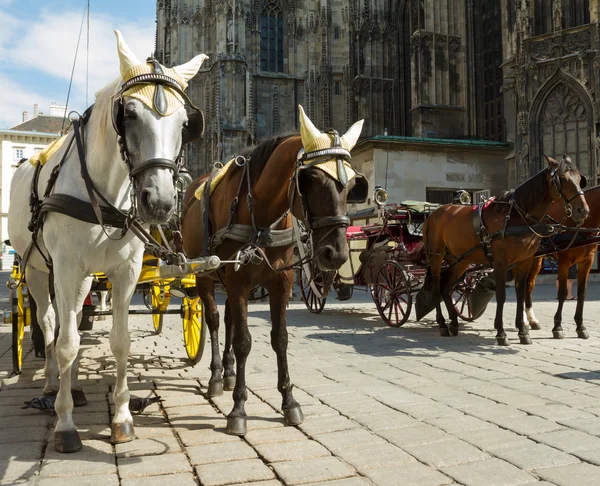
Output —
(131, 145)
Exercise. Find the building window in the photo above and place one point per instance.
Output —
(337, 88)
(565, 126)
(37, 150)
(575, 12)
(19, 151)
(336, 33)
(271, 37)
(543, 17)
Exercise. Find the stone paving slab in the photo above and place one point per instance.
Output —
(382, 406)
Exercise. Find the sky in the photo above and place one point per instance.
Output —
(38, 40)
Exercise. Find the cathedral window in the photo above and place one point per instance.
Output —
(543, 17)
(271, 37)
(576, 12)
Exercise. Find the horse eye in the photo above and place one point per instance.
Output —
(130, 113)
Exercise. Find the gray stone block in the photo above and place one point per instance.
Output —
(233, 472)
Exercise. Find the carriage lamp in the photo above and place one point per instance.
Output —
(185, 178)
(380, 196)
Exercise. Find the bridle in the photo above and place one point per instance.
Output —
(306, 160)
(555, 178)
(159, 79)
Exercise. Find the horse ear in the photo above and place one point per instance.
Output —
(551, 162)
(188, 70)
(308, 132)
(351, 136)
(127, 58)
(194, 129)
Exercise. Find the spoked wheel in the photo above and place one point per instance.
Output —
(391, 293)
(313, 295)
(157, 299)
(461, 298)
(21, 317)
(194, 328)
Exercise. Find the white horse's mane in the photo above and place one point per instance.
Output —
(102, 117)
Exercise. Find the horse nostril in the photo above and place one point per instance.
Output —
(145, 198)
(328, 253)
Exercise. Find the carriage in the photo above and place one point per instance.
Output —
(387, 259)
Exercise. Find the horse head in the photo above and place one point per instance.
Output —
(566, 184)
(327, 181)
(150, 119)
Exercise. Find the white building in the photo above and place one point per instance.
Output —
(23, 141)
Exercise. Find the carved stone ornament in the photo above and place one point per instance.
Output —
(523, 122)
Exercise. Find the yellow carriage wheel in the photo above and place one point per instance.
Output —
(159, 299)
(19, 321)
(194, 335)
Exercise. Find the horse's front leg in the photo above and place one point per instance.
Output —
(583, 271)
(123, 279)
(237, 421)
(79, 399)
(435, 269)
(500, 278)
(206, 291)
(279, 291)
(450, 278)
(563, 274)
(536, 266)
(521, 274)
(228, 357)
(67, 282)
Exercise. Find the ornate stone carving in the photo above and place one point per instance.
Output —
(523, 122)
(563, 105)
(559, 46)
(557, 14)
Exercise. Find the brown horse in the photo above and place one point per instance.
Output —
(450, 235)
(582, 256)
(302, 176)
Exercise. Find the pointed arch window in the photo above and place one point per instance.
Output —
(271, 37)
(565, 127)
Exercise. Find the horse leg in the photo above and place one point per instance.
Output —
(123, 283)
(536, 266)
(435, 267)
(279, 291)
(79, 399)
(242, 344)
(37, 282)
(206, 291)
(563, 273)
(452, 276)
(67, 282)
(521, 272)
(500, 277)
(583, 271)
(228, 357)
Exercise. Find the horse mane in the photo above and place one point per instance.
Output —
(534, 190)
(260, 154)
(102, 115)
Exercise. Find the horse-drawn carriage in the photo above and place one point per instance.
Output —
(387, 259)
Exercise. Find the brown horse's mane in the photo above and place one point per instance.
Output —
(261, 153)
(534, 190)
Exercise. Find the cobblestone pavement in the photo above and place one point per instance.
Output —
(382, 406)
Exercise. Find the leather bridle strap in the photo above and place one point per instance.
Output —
(152, 163)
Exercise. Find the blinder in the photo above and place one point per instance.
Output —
(360, 192)
(193, 130)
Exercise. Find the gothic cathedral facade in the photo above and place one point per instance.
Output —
(419, 68)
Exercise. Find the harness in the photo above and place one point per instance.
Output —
(107, 214)
(532, 225)
(256, 239)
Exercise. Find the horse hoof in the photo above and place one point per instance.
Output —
(79, 399)
(535, 326)
(229, 383)
(50, 393)
(503, 341)
(453, 330)
(122, 432)
(526, 339)
(293, 416)
(582, 334)
(237, 425)
(444, 332)
(67, 441)
(558, 334)
(215, 388)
